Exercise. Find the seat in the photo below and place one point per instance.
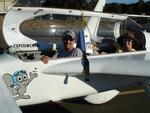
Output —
(81, 41)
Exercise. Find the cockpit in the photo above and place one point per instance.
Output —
(42, 29)
(50, 28)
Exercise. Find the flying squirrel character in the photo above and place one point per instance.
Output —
(18, 82)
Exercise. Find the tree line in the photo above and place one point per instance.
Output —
(140, 7)
(135, 8)
(71, 4)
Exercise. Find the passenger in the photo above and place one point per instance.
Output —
(95, 48)
(128, 43)
(108, 45)
(68, 41)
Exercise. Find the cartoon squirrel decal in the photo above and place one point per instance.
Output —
(18, 82)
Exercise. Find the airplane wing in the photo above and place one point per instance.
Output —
(7, 103)
(131, 64)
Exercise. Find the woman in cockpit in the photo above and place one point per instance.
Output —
(129, 43)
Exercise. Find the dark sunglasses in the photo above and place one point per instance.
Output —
(68, 38)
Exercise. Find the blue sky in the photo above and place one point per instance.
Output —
(123, 1)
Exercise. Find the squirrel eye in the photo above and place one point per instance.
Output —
(19, 78)
(24, 76)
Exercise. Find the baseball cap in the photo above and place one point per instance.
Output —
(69, 34)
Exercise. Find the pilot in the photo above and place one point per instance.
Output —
(128, 42)
(69, 50)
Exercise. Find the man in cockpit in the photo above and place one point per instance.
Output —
(69, 50)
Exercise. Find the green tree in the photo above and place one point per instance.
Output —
(140, 6)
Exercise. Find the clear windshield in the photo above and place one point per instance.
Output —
(50, 27)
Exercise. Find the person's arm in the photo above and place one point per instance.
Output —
(46, 58)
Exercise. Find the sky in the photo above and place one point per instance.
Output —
(123, 1)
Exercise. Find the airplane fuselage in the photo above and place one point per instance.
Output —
(54, 82)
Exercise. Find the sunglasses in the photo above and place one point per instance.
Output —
(68, 38)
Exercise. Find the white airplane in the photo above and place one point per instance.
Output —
(30, 81)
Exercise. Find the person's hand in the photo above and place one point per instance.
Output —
(45, 59)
